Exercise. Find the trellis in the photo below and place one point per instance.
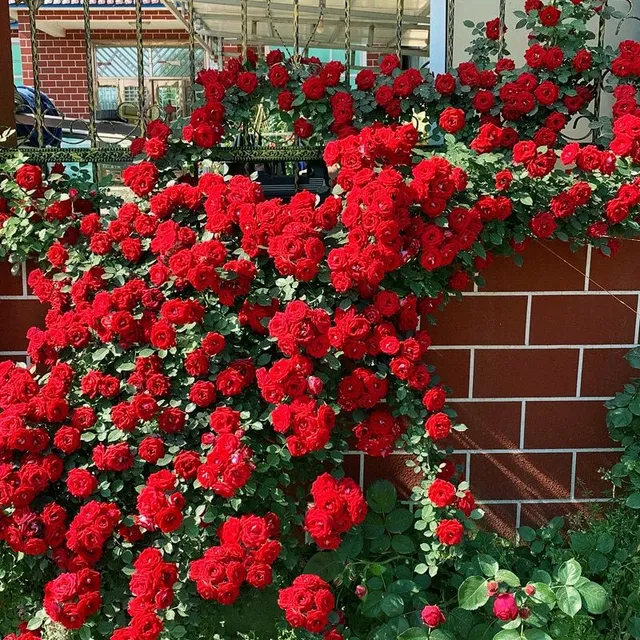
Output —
(113, 153)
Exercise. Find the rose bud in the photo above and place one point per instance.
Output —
(361, 591)
(530, 590)
(524, 612)
(492, 587)
(505, 607)
(315, 385)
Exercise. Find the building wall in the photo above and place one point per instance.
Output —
(531, 358)
(63, 61)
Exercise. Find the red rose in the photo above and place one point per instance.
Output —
(438, 426)
(247, 81)
(285, 100)
(452, 120)
(302, 128)
(389, 63)
(505, 607)
(275, 56)
(441, 493)
(151, 449)
(278, 76)
(313, 88)
(445, 84)
(81, 483)
(29, 177)
(582, 61)
(543, 225)
(155, 148)
(365, 79)
(549, 16)
(432, 616)
(493, 29)
(450, 532)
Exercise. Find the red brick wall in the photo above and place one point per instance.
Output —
(531, 358)
(63, 61)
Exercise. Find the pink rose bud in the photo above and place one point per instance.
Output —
(530, 590)
(492, 587)
(73, 193)
(505, 607)
(361, 591)
(524, 612)
(315, 385)
(432, 616)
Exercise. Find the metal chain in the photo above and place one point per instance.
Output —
(93, 137)
(140, 59)
(33, 7)
(192, 56)
(244, 21)
(451, 20)
(502, 28)
(296, 30)
(321, 7)
(347, 42)
(272, 25)
(399, 16)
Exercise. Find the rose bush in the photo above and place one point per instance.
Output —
(209, 355)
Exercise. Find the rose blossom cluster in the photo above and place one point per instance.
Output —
(72, 598)
(247, 550)
(159, 505)
(152, 588)
(307, 603)
(338, 505)
(300, 329)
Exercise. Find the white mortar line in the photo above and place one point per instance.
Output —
(523, 413)
(472, 362)
(587, 270)
(25, 287)
(361, 470)
(20, 297)
(636, 334)
(545, 501)
(527, 325)
(473, 452)
(518, 514)
(525, 347)
(13, 353)
(574, 460)
(580, 363)
(532, 399)
(512, 294)
(467, 468)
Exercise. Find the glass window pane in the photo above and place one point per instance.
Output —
(107, 98)
(131, 94)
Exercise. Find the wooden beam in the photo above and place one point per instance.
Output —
(7, 117)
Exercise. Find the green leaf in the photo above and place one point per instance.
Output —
(570, 572)
(415, 633)
(581, 542)
(488, 565)
(633, 501)
(371, 604)
(403, 586)
(473, 593)
(392, 604)
(619, 418)
(508, 577)
(543, 593)
(595, 597)
(633, 358)
(507, 634)
(569, 600)
(527, 534)
(352, 545)
(85, 632)
(381, 496)
(536, 634)
(326, 564)
(399, 520)
(633, 627)
(403, 544)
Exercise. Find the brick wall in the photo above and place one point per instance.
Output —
(63, 61)
(531, 358)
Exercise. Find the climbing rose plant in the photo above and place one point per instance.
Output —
(209, 355)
